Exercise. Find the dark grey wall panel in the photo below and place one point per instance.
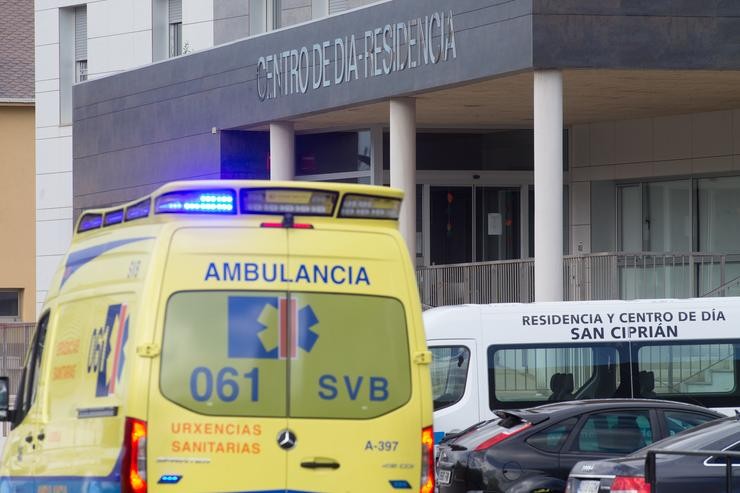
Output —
(637, 34)
(120, 176)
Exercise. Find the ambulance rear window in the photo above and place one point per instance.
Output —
(306, 355)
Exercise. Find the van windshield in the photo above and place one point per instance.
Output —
(449, 374)
(238, 353)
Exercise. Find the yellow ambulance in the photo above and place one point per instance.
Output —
(228, 336)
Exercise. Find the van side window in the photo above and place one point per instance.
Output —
(677, 369)
(31, 372)
(534, 374)
(449, 374)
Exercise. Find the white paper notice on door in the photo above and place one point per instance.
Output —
(494, 224)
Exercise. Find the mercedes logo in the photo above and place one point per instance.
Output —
(286, 439)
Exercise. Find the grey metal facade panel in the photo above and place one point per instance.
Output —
(639, 34)
(667, 8)
(119, 176)
(492, 38)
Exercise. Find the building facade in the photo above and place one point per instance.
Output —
(17, 260)
(78, 41)
(518, 130)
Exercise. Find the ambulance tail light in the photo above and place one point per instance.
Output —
(196, 202)
(427, 460)
(370, 207)
(133, 466)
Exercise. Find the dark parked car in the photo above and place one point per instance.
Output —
(674, 473)
(534, 449)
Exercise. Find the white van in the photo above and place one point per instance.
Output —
(504, 356)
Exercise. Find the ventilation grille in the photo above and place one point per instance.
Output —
(80, 33)
(175, 11)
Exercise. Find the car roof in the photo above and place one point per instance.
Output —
(580, 406)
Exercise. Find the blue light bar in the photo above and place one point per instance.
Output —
(90, 221)
(113, 217)
(197, 202)
(138, 210)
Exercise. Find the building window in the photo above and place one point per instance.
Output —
(174, 14)
(10, 305)
(80, 43)
(264, 16)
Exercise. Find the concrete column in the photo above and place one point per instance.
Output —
(403, 164)
(282, 151)
(548, 185)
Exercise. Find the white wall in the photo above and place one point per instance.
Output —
(53, 150)
(119, 38)
(197, 24)
(646, 149)
(119, 35)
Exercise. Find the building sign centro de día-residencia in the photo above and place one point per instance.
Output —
(391, 48)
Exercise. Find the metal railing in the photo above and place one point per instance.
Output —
(14, 341)
(651, 475)
(599, 276)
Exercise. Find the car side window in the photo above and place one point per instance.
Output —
(552, 438)
(31, 372)
(678, 421)
(617, 432)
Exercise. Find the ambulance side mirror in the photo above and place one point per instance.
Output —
(4, 399)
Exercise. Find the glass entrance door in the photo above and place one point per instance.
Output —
(498, 216)
(474, 224)
(450, 229)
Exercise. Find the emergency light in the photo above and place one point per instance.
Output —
(280, 200)
(90, 221)
(287, 201)
(138, 210)
(113, 217)
(370, 207)
(197, 201)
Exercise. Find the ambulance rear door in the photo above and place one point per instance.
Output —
(355, 415)
(218, 404)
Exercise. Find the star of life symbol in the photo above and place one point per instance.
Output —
(269, 328)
